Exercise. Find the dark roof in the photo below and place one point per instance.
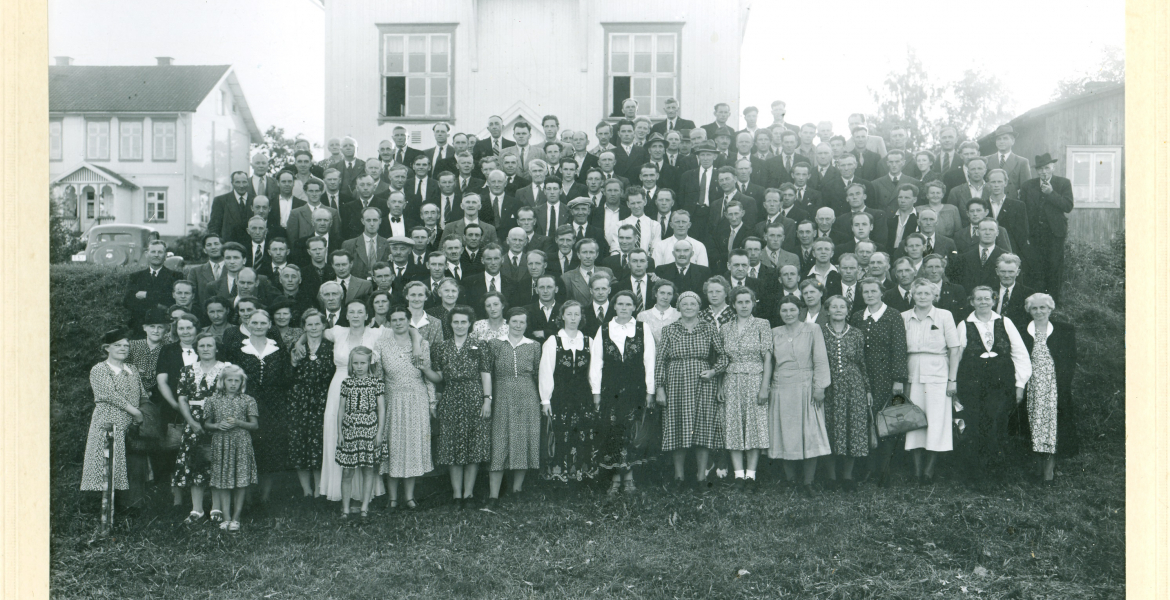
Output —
(1090, 95)
(178, 88)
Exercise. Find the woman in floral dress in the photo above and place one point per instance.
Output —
(117, 392)
(847, 399)
(621, 375)
(312, 373)
(690, 356)
(509, 370)
(193, 461)
(464, 430)
(1053, 348)
(746, 386)
(494, 326)
(566, 401)
(410, 402)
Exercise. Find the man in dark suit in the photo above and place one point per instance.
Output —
(581, 209)
(672, 122)
(322, 225)
(543, 312)
(554, 212)
(619, 261)
(835, 191)
(977, 265)
(778, 168)
(398, 222)
(822, 169)
(494, 143)
(351, 213)
(577, 282)
(887, 186)
(151, 287)
(935, 242)
(968, 236)
(515, 259)
(630, 156)
(845, 227)
(666, 175)
(699, 187)
(846, 285)
(564, 258)
(1009, 293)
(257, 246)
(600, 309)
(403, 153)
(898, 297)
(774, 213)
(499, 207)
(350, 166)
(636, 276)
(442, 156)
(904, 220)
(1010, 213)
(722, 113)
(1048, 200)
(738, 274)
(729, 234)
(957, 175)
(421, 189)
(335, 195)
(279, 208)
(867, 160)
(230, 212)
(466, 180)
(686, 277)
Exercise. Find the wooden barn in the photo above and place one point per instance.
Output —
(1087, 134)
(415, 64)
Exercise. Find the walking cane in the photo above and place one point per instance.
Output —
(108, 495)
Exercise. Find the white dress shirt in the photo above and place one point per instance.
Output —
(651, 231)
(548, 360)
(397, 229)
(664, 251)
(1019, 352)
(285, 209)
(618, 334)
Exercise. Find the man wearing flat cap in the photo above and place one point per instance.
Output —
(581, 209)
(1048, 199)
(1016, 166)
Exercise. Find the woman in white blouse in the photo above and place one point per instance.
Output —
(993, 369)
(430, 328)
(621, 376)
(565, 400)
(662, 313)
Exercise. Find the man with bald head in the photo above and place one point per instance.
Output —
(687, 277)
(499, 207)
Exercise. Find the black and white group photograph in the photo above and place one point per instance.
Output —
(587, 299)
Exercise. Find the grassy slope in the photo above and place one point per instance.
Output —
(905, 542)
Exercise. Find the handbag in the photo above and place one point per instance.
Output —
(899, 417)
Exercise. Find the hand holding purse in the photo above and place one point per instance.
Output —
(899, 417)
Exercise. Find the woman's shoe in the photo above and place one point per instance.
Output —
(630, 488)
(216, 516)
(393, 506)
(614, 488)
(224, 525)
(738, 485)
(193, 518)
(365, 513)
(234, 527)
(411, 504)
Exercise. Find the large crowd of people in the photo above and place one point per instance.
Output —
(587, 308)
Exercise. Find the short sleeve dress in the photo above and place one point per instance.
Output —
(310, 393)
(801, 365)
(745, 420)
(192, 467)
(515, 404)
(465, 438)
(408, 409)
(358, 445)
(233, 463)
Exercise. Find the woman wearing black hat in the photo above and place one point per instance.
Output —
(117, 392)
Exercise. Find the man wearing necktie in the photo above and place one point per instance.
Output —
(150, 287)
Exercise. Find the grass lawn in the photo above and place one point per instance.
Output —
(949, 540)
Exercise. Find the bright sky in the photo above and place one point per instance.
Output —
(820, 57)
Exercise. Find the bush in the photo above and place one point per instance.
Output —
(64, 240)
(190, 246)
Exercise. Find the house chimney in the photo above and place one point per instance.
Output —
(164, 61)
(63, 61)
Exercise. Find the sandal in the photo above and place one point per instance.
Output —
(193, 518)
(234, 527)
(216, 516)
(224, 525)
(344, 515)
(365, 513)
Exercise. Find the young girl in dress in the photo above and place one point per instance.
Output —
(231, 415)
(360, 420)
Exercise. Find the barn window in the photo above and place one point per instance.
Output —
(55, 140)
(156, 205)
(416, 67)
(1095, 172)
(642, 62)
(130, 139)
(97, 140)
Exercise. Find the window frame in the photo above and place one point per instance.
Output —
(88, 138)
(649, 28)
(59, 138)
(1092, 149)
(147, 202)
(124, 157)
(154, 156)
(430, 30)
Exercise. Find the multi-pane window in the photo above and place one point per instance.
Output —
(56, 147)
(416, 75)
(130, 140)
(97, 140)
(163, 145)
(156, 205)
(642, 66)
(1095, 172)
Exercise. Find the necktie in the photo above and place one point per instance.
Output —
(638, 232)
(371, 250)
(638, 292)
(345, 288)
(231, 285)
(983, 255)
(516, 262)
(849, 294)
(434, 287)
(533, 286)
(580, 231)
(625, 261)
(800, 196)
(458, 272)
(496, 206)
(1002, 160)
(731, 242)
(259, 255)
(241, 201)
(401, 156)
(564, 263)
(332, 319)
(523, 151)
(547, 313)
(907, 296)
(259, 185)
(215, 269)
(492, 284)
(417, 186)
(600, 314)
(669, 125)
(552, 220)
(703, 187)
(447, 209)
(495, 146)
(788, 163)
(662, 223)
(895, 180)
(929, 248)
(395, 219)
(1003, 300)
(755, 272)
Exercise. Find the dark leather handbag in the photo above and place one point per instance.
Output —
(898, 417)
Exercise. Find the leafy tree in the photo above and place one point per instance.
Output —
(905, 99)
(976, 104)
(1111, 69)
(279, 149)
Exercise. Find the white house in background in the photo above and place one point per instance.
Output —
(418, 63)
(148, 145)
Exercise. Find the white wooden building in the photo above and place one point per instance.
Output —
(461, 61)
(148, 145)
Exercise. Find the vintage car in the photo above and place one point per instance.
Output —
(118, 244)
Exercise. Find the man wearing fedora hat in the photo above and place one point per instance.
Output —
(1048, 199)
(699, 186)
(1016, 166)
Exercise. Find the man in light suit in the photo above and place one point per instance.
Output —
(526, 152)
(360, 246)
(774, 255)
(230, 212)
(356, 289)
(576, 281)
(300, 220)
(672, 122)
(1017, 167)
(207, 275)
(261, 182)
(471, 206)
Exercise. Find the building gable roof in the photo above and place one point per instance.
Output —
(170, 88)
(85, 172)
(1044, 110)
